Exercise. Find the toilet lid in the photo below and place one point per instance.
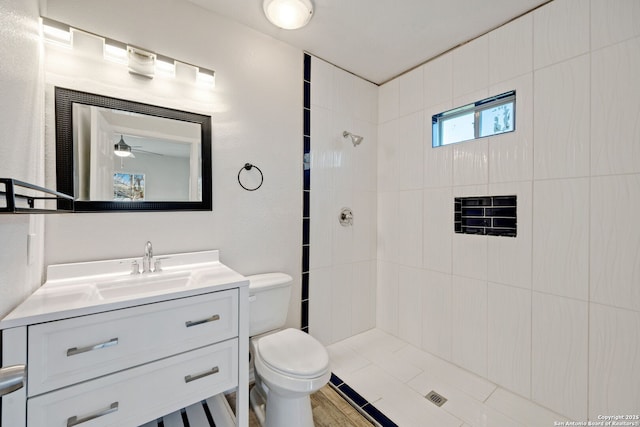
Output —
(293, 352)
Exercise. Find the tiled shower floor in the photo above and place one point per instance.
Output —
(395, 376)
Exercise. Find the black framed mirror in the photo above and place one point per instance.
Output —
(120, 155)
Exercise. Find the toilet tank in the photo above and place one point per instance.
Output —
(269, 295)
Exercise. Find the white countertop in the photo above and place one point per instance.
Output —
(80, 289)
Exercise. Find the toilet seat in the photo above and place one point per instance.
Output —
(293, 353)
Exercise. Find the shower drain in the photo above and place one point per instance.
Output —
(435, 398)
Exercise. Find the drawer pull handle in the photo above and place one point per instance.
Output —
(74, 421)
(191, 323)
(75, 350)
(190, 378)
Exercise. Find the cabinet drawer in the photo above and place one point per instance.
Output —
(68, 351)
(141, 394)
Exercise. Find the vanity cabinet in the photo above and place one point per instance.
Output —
(129, 363)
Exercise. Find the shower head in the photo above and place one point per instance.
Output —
(355, 139)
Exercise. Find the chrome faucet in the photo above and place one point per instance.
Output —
(148, 257)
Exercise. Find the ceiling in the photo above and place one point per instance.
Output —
(380, 39)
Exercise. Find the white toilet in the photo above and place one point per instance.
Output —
(288, 364)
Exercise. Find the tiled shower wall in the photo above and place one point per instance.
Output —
(554, 313)
(342, 260)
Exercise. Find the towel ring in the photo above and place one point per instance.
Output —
(248, 167)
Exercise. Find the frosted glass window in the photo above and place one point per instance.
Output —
(491, 116)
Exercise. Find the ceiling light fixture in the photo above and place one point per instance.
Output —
(288, 14)
(122, 149)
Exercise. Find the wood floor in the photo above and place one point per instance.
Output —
(329, 410)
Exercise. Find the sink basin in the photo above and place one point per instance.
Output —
(143, 284)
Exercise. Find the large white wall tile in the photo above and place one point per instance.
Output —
(615, 241)
(553, 39)
(320, 300)
(470, 256)
(561, 127)
(613, 21)
(561, 237)
(438, 161)
(511, 50)
(366, 107)
(615, 108)
(363, 297)
(509, 338)
(559, 354)
(437, 313)
(387, 235)
(410, 228)
(471, 162)
(388, 101)
(437, 229)
(364, 209)
(323, 150)
(410, 151)
(471, 66)
(469, 325)
(321, 230)
(509, 259)
(343, 154)
(387, 161)
(387, 297)
(438, 81)
(411, 91)
(614, 346)
(410, 284)
(511, 154)
(342, 285)
(364, 156)
(344, 96)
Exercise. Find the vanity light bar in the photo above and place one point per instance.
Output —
(139, 60)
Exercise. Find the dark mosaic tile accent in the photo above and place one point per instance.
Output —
(486, 215)
(305, 231)
(307, 95)
(305, 258)
(306, 204)
(304, 314)
(305, 286)
(307, 122)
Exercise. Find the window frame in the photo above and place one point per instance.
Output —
(437, 120)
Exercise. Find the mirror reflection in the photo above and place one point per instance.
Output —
(114, 154)
(125, 156)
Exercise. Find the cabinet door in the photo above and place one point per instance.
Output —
(69, 351)
(138, 395)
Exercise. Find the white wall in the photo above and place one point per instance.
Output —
(256, 118)
(342, 259)
(554, 314)
(21, 124)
